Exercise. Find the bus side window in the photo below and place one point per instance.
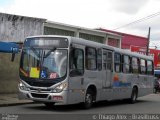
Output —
(126, 64)
(91, 61)
(117, 62)
(149, 67)
(109, 61)
(99, 59)
(143, 66)
(135, 65)
(76, 62)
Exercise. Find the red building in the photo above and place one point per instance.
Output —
(127, 40)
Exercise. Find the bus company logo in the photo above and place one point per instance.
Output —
(38, 90)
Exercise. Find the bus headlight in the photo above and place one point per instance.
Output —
(23, 87)
(59, 88)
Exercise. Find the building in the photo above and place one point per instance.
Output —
(127, 40)
(14, 28)
(54, 28)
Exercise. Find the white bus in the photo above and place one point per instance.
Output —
(69, 70)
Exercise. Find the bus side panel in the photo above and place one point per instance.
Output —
(146, 85)
(75, 92)
(93, 78)
(122, 85)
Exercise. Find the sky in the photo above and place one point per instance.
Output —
(108, 14)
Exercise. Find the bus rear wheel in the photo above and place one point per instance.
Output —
(49, 104)
(134, 95)
(88, 100)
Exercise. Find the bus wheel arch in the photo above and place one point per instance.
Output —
(90, 96)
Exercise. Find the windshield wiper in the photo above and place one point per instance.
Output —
(35, 51)
(49, 52)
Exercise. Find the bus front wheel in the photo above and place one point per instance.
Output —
(88, 99)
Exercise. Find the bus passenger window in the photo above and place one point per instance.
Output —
(149, 67)
(76, 62)
(143, 66)
(99, 59)
(109, 61)
(117, 62)
(91, 58)
(126, 64)
(135, 65)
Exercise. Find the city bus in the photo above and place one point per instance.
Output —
(69, 70)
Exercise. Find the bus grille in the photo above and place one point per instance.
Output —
(39, 84)
(39, 95)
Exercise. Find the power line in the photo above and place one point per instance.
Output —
(140, 20)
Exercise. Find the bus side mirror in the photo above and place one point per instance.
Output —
(13, 57)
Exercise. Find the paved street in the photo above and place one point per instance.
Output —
(149, 104)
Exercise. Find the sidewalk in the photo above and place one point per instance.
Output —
(12, 99)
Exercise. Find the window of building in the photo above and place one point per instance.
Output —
(91, 58)
(117, 62)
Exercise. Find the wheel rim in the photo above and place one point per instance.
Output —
(88, 99)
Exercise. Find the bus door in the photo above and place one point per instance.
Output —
(76, 73)
(107, 68)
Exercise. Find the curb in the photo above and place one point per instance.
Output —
(14, 104)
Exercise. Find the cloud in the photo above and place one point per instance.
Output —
(107, 14)
(128, 6)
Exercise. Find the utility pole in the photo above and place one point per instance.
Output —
(147, 50)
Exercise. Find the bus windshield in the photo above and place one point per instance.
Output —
(43, 63)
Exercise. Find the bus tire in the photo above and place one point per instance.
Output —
(88, 99)
(134, 95)
(49, 104)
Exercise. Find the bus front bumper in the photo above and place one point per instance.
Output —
(44, 97)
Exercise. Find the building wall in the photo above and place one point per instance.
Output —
(128, 39)
(53, 28)
(16, 28)
(9, 73)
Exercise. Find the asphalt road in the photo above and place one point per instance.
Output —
(146, 105)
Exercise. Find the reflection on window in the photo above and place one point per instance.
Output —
(91, 58)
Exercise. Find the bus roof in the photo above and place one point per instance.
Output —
(82, 41)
